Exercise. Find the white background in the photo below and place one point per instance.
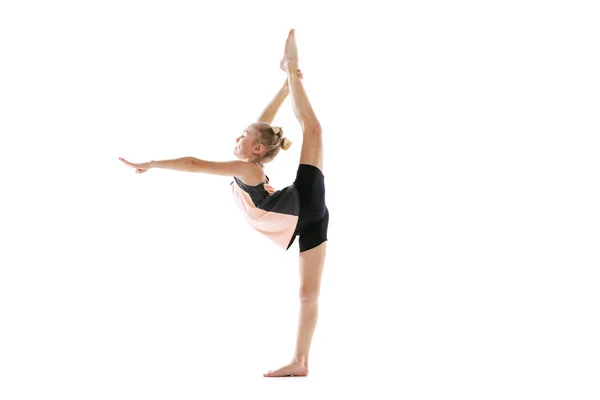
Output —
(461, 166)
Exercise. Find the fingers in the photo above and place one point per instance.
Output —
(125, 161)
(133, 165)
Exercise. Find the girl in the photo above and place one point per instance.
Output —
(297, 210)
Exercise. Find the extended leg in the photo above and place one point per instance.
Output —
(312, 144)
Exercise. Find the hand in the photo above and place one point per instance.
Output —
(140, 168)
(286, 84)
(290, 54)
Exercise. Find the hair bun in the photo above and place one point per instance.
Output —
(285, 143)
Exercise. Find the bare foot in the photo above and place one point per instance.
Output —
(291, 52)
(292, 369)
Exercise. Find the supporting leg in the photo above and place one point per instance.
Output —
(311, 270)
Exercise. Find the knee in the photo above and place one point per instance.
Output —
(309, 294)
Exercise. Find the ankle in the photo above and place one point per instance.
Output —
(292, 68)
(301, 360)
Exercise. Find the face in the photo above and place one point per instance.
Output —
(245, 144)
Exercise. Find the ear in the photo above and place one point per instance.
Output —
(259, 149)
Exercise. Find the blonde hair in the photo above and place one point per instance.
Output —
(273, 139)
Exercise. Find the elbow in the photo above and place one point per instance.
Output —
(193, 164)
(317, 130)
(312, 126)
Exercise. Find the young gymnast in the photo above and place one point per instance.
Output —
(296, 210)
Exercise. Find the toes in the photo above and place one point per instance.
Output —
(274, 373)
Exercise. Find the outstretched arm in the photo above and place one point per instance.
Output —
(268, 115)
(179, 164)
(238, 168)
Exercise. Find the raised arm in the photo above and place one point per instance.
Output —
(268, 115)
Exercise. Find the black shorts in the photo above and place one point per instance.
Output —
(313, 219)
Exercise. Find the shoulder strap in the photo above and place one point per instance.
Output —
(255, 162)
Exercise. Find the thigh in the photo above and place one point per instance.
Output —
(315, 234)
(312, 150)
(311, 271)
(310, 184)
